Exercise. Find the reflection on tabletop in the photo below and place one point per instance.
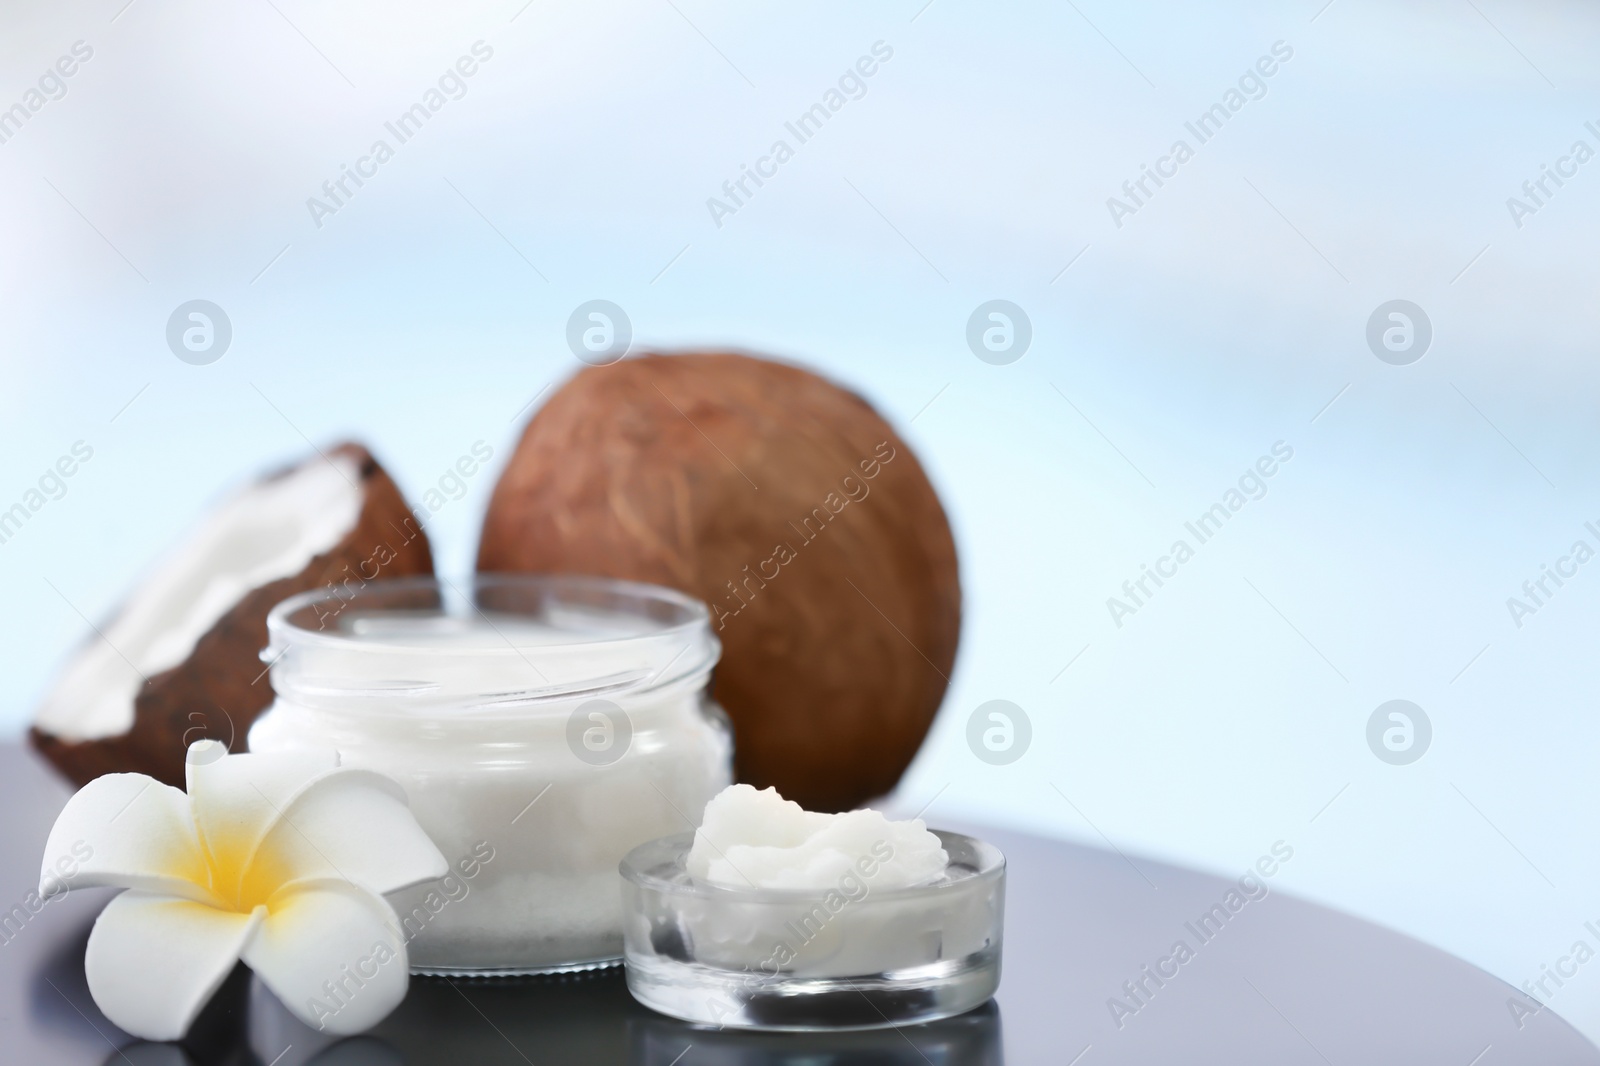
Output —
(580, 1018)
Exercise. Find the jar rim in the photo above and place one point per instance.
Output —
(656, 630)
(695, 613)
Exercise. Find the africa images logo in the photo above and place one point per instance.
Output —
(451, 85)
(1252, 85)
(852, 85)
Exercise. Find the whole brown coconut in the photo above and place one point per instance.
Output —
(181, 661)
(794, 511)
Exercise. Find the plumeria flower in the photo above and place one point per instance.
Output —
(281, 860)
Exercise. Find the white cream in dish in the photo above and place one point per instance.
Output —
(772, 917)
(824, 881)
(753, 838)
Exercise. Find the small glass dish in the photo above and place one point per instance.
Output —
(844, 957)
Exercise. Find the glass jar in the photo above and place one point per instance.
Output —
(541, 725)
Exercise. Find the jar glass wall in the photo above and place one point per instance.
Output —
(541, 726)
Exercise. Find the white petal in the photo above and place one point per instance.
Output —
(154, 961)
(126, 831)
(334, 954)
(236, 799)
(353, 825)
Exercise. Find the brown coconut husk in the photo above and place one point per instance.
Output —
(691, 471)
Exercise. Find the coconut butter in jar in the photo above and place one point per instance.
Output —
(541, 726)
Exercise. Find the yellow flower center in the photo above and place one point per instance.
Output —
(242, 881)
(264, 875)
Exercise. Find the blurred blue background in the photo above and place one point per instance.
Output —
(1229, 312)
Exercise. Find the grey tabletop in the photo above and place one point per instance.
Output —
(1265, 979)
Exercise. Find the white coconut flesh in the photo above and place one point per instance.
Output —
(270, 531)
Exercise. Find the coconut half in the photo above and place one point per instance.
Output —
(180, 661)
